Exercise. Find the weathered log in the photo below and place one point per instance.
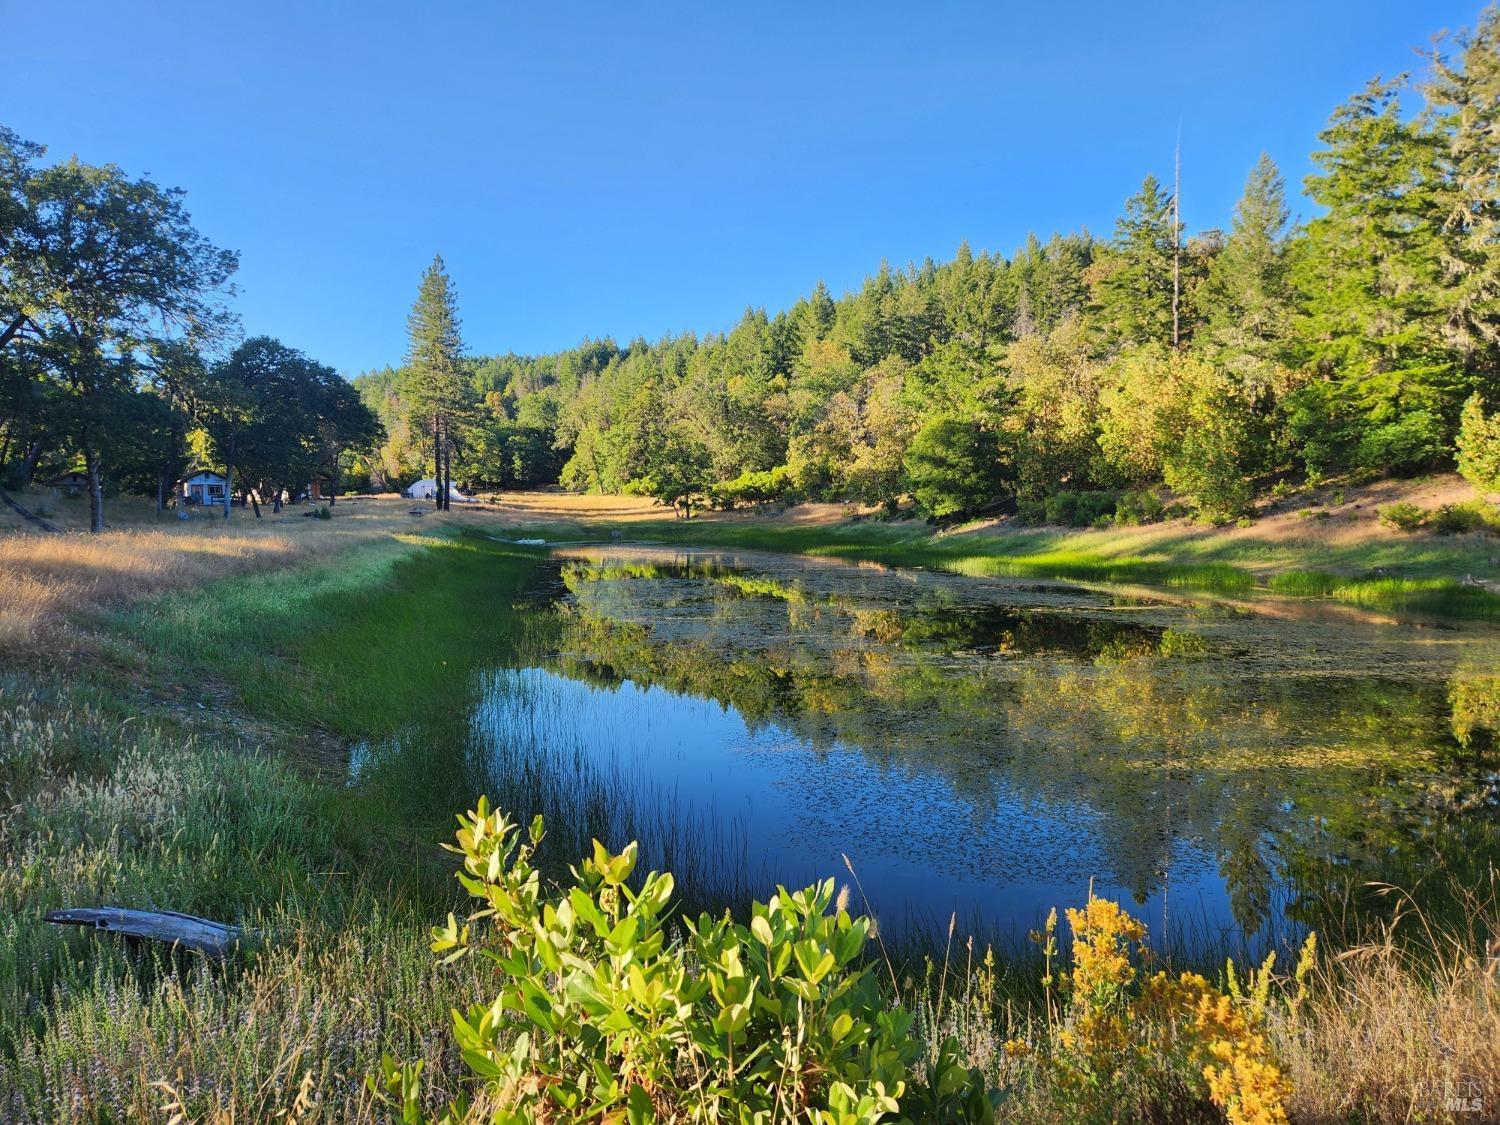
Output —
(212, 939)
(25, 513)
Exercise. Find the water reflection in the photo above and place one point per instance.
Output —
(987, 747)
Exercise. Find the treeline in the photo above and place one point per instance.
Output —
(117, 350)
(1081, 373)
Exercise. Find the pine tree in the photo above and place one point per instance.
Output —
(1370, 269)
(1369, 275)
(435, 384)
(1464, 110)
(1479, 446)
(1247, 298)
(1133, 284)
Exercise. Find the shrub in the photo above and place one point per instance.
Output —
(1479, 446)
(601, 1017)
(1122, 1044)
(321, 513)
(755, 488)
(1031, 512)
(1455, 519)
(1402, 516)
(1408, 443)
(1079, 509)
(1139, 506)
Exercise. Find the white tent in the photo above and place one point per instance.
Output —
(427, 489)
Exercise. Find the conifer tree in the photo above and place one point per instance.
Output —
(1247, 298)
(1464, 108)
(436, 388)
(1369, 276)
(1133, 284)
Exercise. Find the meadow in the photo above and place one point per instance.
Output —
(181, 705)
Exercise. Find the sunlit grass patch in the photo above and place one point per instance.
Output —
(1443, 597)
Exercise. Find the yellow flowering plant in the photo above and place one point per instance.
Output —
(1122, 1039)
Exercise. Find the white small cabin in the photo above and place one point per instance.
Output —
(202, 488)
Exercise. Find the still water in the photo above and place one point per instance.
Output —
(989, 749)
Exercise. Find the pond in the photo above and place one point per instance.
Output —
(985, 749)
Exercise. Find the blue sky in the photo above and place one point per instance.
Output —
(642, 168)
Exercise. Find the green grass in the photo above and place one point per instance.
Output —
(1022, 554)
(121, 789)
(1436, 597)
(1426, 582)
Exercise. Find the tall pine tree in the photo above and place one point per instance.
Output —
(1369, 275)
(1133, 283)
(1463, 102)
(1247, 298)
(436, 389)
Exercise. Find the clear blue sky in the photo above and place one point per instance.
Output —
(642, 168)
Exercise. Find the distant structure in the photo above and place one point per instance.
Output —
(201, 487)
(427, 489)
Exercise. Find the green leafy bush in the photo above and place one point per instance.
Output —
(755, 488)
(1479, 446)
(1410, 442)
(1139, 506)
(1455, 519)
(1079, 509)
(1402, 516)
(601, 1016)
(1449, 519)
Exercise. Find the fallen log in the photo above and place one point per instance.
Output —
(212, 939)
(25, 513)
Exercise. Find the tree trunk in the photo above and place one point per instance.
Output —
(96, 487)
(447, 475)
(161, 493)
(28, 463)
(333, 480)
(276, 501)
(255, 502)
(437, 460)
(229, 476)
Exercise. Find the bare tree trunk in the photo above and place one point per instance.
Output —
(28, 463)
(333, 481)
(254, 495)
(96, 487)
(161, 493)
(1177, 243)
(447, 474)
(229, 475)
(437, 460)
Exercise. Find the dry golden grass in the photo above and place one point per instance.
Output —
(48, 580)
(1398, 1031)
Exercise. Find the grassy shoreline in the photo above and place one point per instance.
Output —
(1409, 575)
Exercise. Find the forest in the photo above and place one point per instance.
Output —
(1075, 378)
(1082, 379)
